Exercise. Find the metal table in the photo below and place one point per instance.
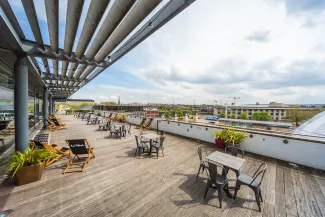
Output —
(228, 161)
(151, 137)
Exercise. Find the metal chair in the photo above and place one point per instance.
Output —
(233, 150)
(140, 146)
(253, 183)
(159, 145)
(219, 180)
(203, 163)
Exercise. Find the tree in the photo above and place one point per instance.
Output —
(233, 116)
(222, 115)
(299, 115)
(261, 116)
(179, 112)
(243, 116)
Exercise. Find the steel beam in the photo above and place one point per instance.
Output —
(140, 10)
(45, 77)
(21, 104)
(33, 49)
(72, 22)
(29, 8)
(164, 15)
(52, 14)
(95, 12)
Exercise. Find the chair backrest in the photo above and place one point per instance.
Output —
(233, 150)
(202, 152)
(78, 146)
(259, 173)
(148, 124)
(142, 121)
(217, 172)
(162, 139)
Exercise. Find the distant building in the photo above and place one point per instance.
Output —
(262, 125)
(107, 103)
(278, 111)
(75, 101)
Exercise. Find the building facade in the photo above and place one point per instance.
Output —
(278, 111)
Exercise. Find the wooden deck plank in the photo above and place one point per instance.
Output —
(117, 184)
(280, 202)
(299, 194)
(290, 199)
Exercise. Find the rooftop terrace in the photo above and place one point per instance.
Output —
(117, 184)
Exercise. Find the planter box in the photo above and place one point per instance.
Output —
(29, 174)
(220, 144)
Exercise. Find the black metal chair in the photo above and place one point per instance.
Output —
(233, 150)
(253, 182)
(203, 163)
(216, 179)
(159, 145)
(129, 130)
(140, 146)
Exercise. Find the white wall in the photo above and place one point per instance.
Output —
(298, 151)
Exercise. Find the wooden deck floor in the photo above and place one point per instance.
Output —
(117, 184)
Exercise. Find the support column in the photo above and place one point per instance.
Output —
(50, 104)
(21, 104)
(45, 106)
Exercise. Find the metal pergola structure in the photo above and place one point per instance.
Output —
(89, 59)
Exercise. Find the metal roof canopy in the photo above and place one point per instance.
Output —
(121, 19)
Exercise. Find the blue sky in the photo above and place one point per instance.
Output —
(258, 50)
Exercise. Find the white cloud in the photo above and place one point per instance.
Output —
(204, 51)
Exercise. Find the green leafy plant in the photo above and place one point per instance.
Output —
(261, 116)
(234, 137)
(31, 156)
(233, 116)
(220, 135)
(222, 115)
(121, 117)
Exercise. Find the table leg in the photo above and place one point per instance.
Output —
(150, 147)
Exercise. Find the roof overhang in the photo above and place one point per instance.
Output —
(89, 59)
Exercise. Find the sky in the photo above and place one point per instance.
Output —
(256, 50)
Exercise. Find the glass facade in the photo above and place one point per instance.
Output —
(7, 125)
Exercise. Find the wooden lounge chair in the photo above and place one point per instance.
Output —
(78, 147)
(59, 150)
(58, 123)
(141, 123)
(110, 115)
(52, 126)
(148, 124)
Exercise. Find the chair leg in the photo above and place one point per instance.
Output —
(260, 192)
(220, 196)
(198, 172)
(257, 197)
(135, 154)
(236, 189)
(162, 151)
(207, 188)
(157, 150)
(139, 153)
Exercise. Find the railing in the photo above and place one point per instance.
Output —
(304, 151)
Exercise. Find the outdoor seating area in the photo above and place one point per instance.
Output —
(167, 186)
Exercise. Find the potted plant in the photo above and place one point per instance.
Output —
(28, 166)
(121, 117)
(220, 138)
(234, 138)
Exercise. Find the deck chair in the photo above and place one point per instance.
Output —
(141, 123)
(148, 124)
(51, 125)
(110, 115)
(59, 150)
(78, 147)
(59, 124)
